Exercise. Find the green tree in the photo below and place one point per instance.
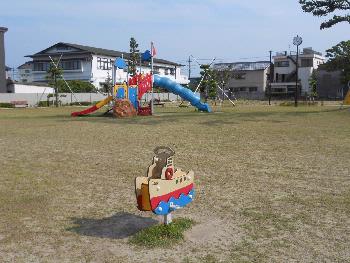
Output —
(313, 84)
(339, 59)
(108, 84)
(322, 8)
(134, 55)
(77, 86)
(53, 75)
(208, 86)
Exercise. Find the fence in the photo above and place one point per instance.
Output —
(66, 98)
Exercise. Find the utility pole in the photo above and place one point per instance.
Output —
(189, 67)
(297, 41)
(271, 75)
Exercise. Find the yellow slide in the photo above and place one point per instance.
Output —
(93, 108)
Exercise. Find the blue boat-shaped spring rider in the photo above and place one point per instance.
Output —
(165, 189)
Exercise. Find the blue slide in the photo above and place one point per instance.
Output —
(183, 92)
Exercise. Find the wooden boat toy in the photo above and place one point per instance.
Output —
(165, 189)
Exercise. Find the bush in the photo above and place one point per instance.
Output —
(6, 105)
(77, 86)
(82, 103)
(300, 103)
(45, 103)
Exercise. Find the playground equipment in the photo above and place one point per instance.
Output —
(347, 97)
(164, 189)
(136, 88)
(93, 108)
(127, 96)
(183, 92)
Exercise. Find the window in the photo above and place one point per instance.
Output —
(282, 64)
(104, 63)
(172, 71)
(64, 65)
(307, 62)
(27, 71)
(242, 89)
(278, 90)
(41, 66)
(70, 65)
(253, 89)
(291, 89)
(156, 70)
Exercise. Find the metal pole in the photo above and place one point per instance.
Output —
(167, 219)
(296, 81)
(152, 106)
(189, 67)
(270, 77)
(140, 63)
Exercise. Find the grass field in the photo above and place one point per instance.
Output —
(273, 184)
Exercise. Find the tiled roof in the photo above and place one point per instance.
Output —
(102, 51)
(27, 65)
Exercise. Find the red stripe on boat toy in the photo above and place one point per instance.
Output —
(165, 198)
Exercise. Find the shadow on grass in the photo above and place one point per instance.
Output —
(118, 226)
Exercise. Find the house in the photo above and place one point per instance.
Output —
(3, 87)
(94, 64)
(27, 88)
(284, 79)
(25, 72)
(330, 85)
(8, 72)
(248, 80)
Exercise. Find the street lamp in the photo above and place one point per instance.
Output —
(297, 41)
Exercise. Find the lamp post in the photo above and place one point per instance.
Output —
(297, 41)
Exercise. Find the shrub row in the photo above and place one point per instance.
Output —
(6, 105)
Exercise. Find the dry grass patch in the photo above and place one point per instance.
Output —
(272, 184)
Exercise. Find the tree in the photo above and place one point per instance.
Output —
(77, 86)
(339, 59)
(53, 75)
(313, 84)
(134, 55)
(209, 82)
(108, 84)
(326, 7)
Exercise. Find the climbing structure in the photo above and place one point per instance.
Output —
(127, 96)
(123, 108)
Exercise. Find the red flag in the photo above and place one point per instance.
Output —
(153, 50)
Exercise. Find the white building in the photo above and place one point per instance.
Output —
(284, 79)
(8, 72)
(25, 72)
(24, 87)
(248, 80)
(94, 64)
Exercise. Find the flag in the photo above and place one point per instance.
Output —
(153, 50)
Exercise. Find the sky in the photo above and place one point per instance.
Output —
(230, 30)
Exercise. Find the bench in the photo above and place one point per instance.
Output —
(19, 103)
